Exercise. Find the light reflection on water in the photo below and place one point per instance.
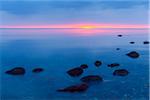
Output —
(71, 31)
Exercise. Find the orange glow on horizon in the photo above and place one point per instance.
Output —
(88, 27)
(77, 26)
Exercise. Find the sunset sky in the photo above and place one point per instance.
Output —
(74, 14)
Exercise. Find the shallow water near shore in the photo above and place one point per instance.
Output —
(59, 53)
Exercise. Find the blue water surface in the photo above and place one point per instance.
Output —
(57, 54)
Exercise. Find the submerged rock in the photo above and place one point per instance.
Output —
(16, 71)
(84, 66)
(91, 78)
(119, 35)
(113, 65)
(75, 88)
(120, 72)
(75, 72)
(132, 42)
(146, 42)
(98, 63)
(133, 54)
(37, 70)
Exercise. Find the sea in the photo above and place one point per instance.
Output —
(59, 50)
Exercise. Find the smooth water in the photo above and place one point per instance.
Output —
(59, 53)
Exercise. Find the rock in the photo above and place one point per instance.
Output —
(16, 71)
(37, 70)
(113, 65)
(84, 66)
(146, 42)
(75, 88)
(132, 42)
(133, 54)
(120, 35)
(117, 48)
(91, 78)
(98, 63)
(120, 72)
(75, 72)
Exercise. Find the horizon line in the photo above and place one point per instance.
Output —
(76, 26)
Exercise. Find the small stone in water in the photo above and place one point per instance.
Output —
(120, 35)
(37, 70)
(75, 72)
(117, 48)
(132, 42)
(146, 42)
(84, 66)
(120, 72)
(91, 78)
(16, 71)
(133, 54)
(113, 65)
(98, 63)
(75, 88)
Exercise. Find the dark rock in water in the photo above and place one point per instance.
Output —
(119, 35)
(98, 63)
(84, 66)
(133, 54)
(75, 88)
(75, 72)
(16, 71)
(120, 72)
(91, 78)
(113, 65)
(37, 70)
(132, 42)
(146, 42)
(117, 48)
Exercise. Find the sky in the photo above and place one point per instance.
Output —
(73, 13)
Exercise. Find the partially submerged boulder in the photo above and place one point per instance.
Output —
(98, 63)
(120, 72)
(92, 78)
(16, 71)
(75, 72)
(133, 54)
(84, 66)
(37, 70)
(146, 42)
(75, 88)
(113, 65)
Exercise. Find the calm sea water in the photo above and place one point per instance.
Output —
(57, 53)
